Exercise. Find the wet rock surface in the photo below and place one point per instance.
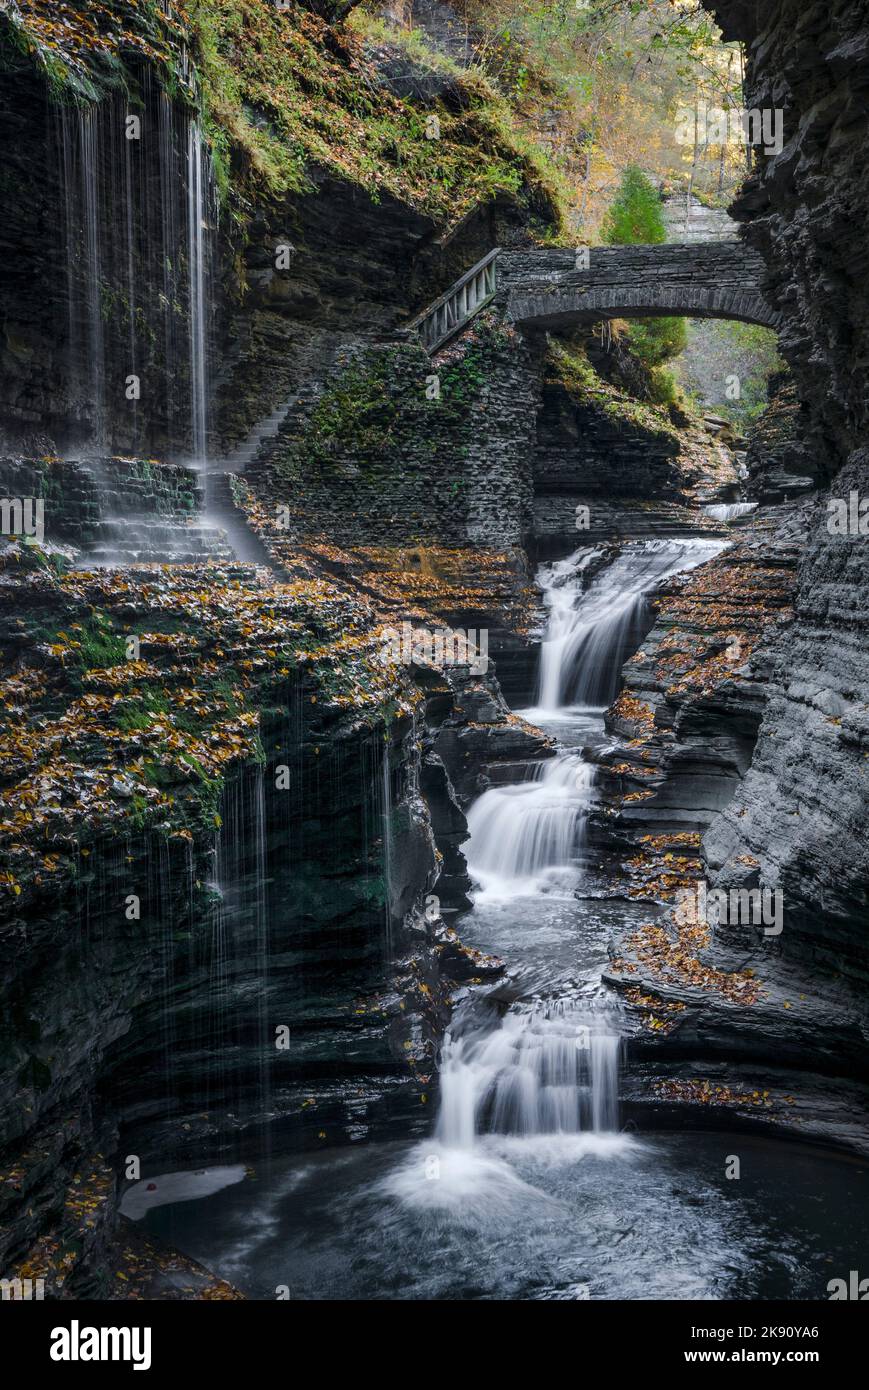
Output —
(287, 809)
(800, 809)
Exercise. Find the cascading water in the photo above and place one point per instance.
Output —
(550, 1068)
(93, 269)
(730, 511)
(591, 633)
(527, 835)
(387, 855)
(238, 957)
(137, 218)
(550, 1065)
(139, 215)
(197, 276)
(169, 179)
(134, 365)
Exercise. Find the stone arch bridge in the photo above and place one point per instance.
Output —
(546, 289)
(713, 279)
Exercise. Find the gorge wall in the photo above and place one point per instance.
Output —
(220, 802)
(801, 810)
(287, 808)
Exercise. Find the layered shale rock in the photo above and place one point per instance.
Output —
(409, 450)
(694, 696)
(796, 824)
(219, 832)
(111, 510)
(607, 465)
(779, 459)
(800, 810)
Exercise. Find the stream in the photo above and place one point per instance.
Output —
(529, 1187)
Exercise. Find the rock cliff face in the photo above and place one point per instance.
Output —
(775, 738)
(300, 249)
(290, 819)
(253, 821)
(123, 511)
(604, 464)
(406, 449)
(105, 295)
(220, 857)
(801, 809)
(780, 459)
(803, 207)
(353, 274)
(694, 696)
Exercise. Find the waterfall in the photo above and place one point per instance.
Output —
(131, 282)
(65, 139)
(523, 834)
(137, 214)
(92, 257)
(386, 816)
(266, 1049)
(729, 511)
(550, 1068)
(591, 632)
(527, 836)
(239, 1022)
(198, 302)
(169, 182)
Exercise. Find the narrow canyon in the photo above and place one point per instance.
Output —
(435, 734)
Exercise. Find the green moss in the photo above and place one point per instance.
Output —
(283, 92)
(84, 49)
(149, 704)
(99, 645)
(665, 389)
(378, 408)
(571, 368)
(656, 341)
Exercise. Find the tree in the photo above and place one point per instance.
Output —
(634, 216)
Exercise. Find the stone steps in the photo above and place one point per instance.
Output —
(222, 511)
(266, 429)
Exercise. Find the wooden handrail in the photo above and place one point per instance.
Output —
(462, 302)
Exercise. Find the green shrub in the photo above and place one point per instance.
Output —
(634, 217)
(664, 388)
(658, 340)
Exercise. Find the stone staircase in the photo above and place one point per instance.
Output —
(263, 431)
(221, 511)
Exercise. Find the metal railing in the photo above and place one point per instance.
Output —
(449, 314)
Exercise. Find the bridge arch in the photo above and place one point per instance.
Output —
(721, 280)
